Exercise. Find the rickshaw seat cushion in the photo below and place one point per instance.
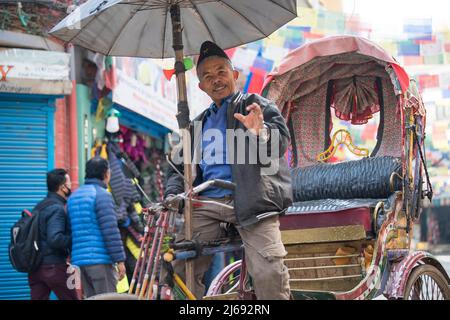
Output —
(329, 213)
(357, 179)
(352, 216)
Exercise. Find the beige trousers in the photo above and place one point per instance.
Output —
(264, 250)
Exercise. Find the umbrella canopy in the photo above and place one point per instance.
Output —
(138, 28)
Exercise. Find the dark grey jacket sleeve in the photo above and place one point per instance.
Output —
(275, 123)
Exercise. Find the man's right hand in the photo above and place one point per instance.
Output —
(121, 270)
(173, 202)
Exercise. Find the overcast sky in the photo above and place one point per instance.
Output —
(387, 16)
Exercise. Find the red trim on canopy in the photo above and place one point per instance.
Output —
(402, 76)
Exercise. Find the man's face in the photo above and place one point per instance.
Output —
(107, 176)
(66, 187)
(68, 182)
(217, 78)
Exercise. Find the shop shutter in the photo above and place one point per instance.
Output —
(26, 154)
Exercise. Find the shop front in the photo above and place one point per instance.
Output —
(31, 83)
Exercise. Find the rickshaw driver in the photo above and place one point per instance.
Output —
(258, 199)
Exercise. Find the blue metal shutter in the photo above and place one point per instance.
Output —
(26, 154)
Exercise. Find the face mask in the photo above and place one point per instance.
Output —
(68, 193)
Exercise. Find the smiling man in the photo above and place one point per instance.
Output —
(259, 197)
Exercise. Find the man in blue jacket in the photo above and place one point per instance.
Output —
(96, 243)
(54, 240)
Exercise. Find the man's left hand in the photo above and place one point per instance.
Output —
(121, 270)
(254, 121)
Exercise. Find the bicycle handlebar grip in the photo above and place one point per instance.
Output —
(224, 184)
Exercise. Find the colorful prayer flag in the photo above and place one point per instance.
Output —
(437, 59)
(428, 81)
(408, 48)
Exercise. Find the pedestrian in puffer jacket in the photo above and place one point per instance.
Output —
(96, 243)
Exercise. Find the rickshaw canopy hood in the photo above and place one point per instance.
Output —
(335, 45)
(354, 68)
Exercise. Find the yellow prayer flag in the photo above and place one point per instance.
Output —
(389, 46)
(446, 35)
(100, 114)
(307, 17)
(274, 41)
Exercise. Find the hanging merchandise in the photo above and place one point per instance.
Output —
(159, 179)
(134, 145)
(112, 120)
(124, 189)
(124, 192)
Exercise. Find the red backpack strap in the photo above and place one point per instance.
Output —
(28, 213)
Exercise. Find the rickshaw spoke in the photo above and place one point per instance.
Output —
(426, 288)
(231, 283)
(233, 288)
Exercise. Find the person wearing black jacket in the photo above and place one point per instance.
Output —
(55, 242)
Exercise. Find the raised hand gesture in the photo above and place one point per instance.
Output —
(254, 121)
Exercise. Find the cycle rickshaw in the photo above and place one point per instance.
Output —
(348, 233)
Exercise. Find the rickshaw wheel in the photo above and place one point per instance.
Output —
(113, 296)
(426, 283)
(227, 281)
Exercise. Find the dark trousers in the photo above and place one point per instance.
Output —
(98, 279)
(49, 278)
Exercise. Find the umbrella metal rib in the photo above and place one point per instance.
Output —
(203, 20)
(244, 17)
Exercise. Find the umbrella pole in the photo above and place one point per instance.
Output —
(183, 123)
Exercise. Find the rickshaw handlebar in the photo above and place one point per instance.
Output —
(213, 183)
(205, 185)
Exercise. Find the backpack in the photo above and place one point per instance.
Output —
(24, 252)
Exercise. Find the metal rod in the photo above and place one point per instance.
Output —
(152, 255)
(145, 254)
(139, 260)
(321, 257)
(214, 203)
(183, 255)
(324, 267)
(142, 191)
(183, 123)
(327, 278)
(157, 256)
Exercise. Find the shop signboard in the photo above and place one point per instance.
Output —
(26, 71)
(142, 88)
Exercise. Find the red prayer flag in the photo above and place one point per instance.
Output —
(257, 80)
